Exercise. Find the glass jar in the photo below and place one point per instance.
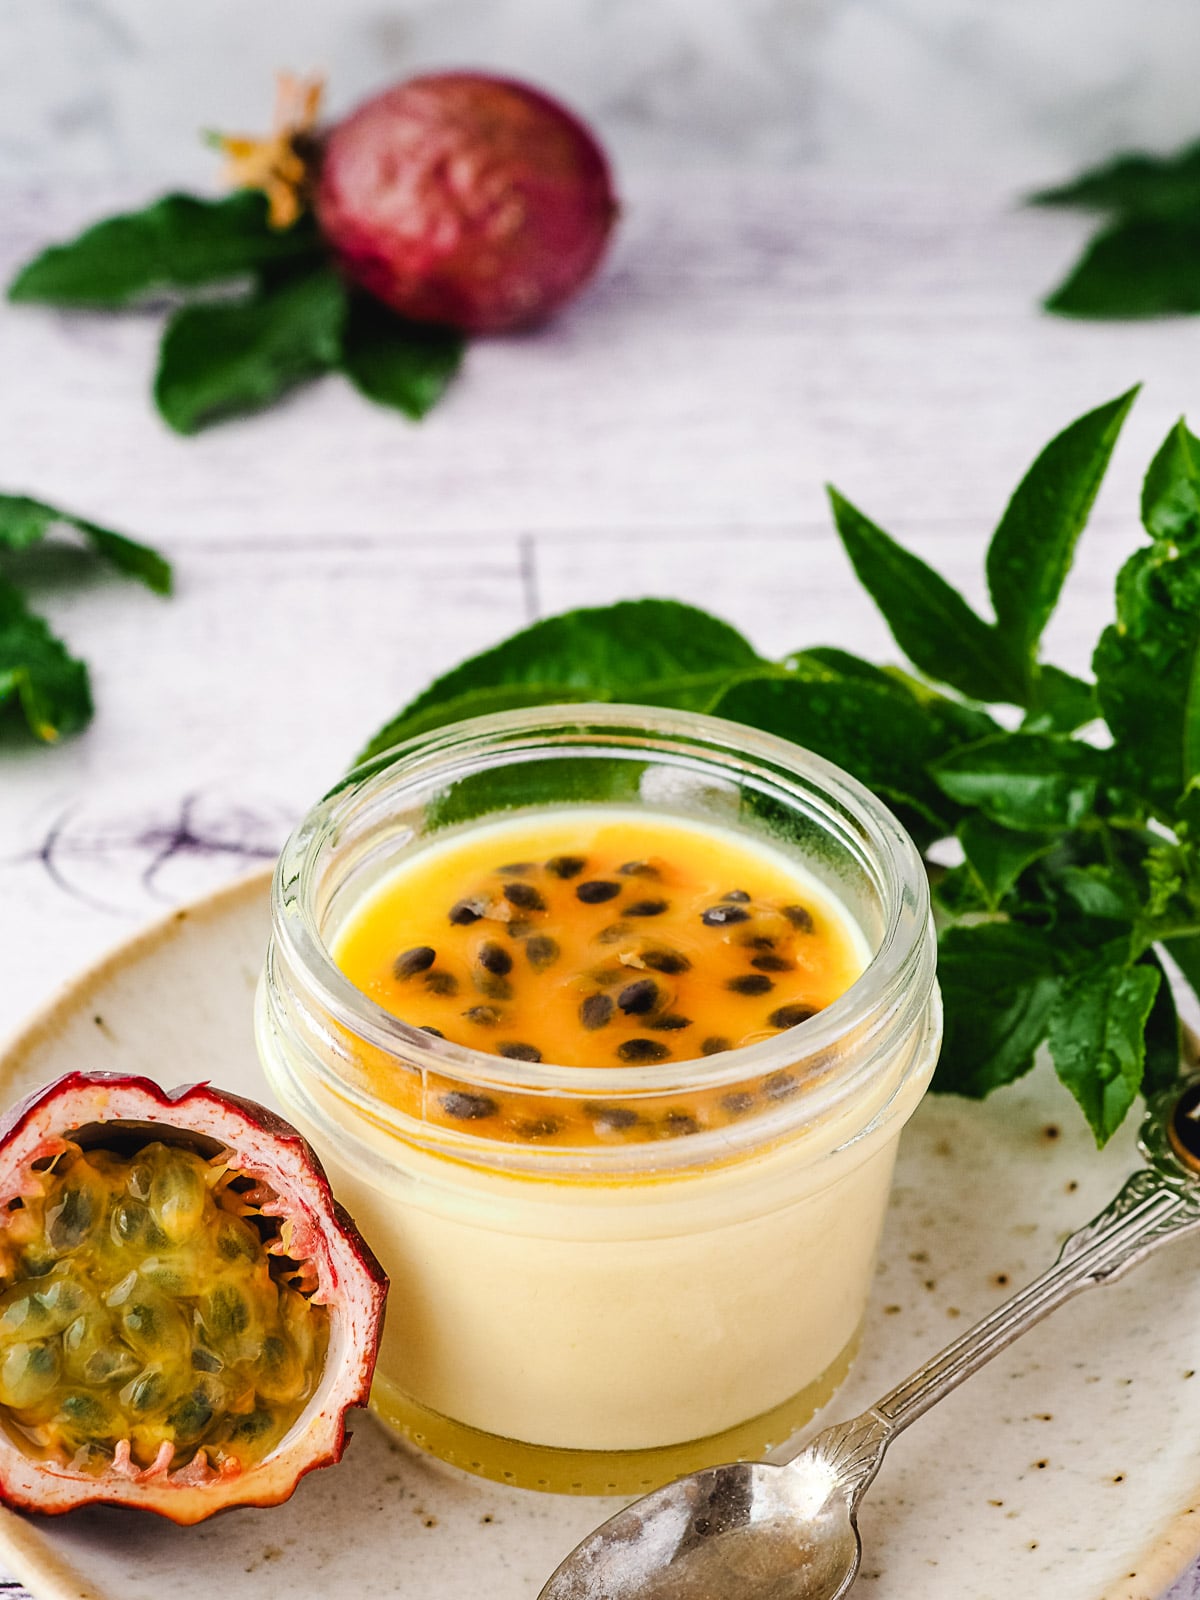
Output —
(675, 1289)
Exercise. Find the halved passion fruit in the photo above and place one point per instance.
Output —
(186, 1313)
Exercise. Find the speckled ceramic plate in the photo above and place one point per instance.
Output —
(1069, 1468)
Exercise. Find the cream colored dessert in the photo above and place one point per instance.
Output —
(601, 1324)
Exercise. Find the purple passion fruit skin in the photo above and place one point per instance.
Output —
(186, 1312)
(465, 199)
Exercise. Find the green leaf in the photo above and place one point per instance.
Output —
(24, 522)
(38, 674)
(998, 983)
(1136, 185)
(1100, 892)
(217, 360)
(1032, 548)
(930, 621)
(476, 703)
(1136, 268)
(1163, 1042)
(397, 363)
(880, 736)
(1029, 781)
(1147, 667)
(1059, 703)
(179, 242)
(613, 652)
(1096, 1032)
(998, 856)
(1171, 491)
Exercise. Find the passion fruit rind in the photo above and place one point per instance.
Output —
(186, 1312)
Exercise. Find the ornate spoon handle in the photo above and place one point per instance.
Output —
(1155, 1204)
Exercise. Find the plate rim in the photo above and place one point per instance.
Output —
(26, 1542)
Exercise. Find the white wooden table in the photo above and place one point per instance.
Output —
(752, 337)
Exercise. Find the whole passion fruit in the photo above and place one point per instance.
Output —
(465, 199)
(186, 1313)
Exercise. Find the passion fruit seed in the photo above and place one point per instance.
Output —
(770, 963)
(668, 1022)
(638, 1052)
(635, 999)
(715, 1045)
(668, 962)
(468, 1107)
(524, 896)
(647, 908)
(750, 983)
(466, 912)
(640, 869)
(724, 916)
(597, 890)
(596, 1011)
(160, 1323)
(419, 959)
(790, 1016)
(494, 958)
(541, 952)
(738, 896)
(799, 918)
(441, 983)
(483, 1016)
(565, 867)
(516, 1051)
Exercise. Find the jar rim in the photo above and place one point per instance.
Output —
(889, 983)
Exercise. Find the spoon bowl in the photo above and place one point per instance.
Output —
(777, 1533)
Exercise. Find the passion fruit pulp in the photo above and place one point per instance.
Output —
(186, 1314)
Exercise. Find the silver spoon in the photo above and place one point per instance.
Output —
(754, 1531)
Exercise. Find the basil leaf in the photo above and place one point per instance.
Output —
(1147, 667)
(38, 673)
(1171, 491)
(1138, 185)
(1032, 548)
(25, 522)
(1164, 1048)
(397, 363)
(1096, 1031)
(476, 703)
(217, 360)
(1025, 780)
(1059, 703)
(998, 983)
(1097, 893)
(1140, 267)
(613, 652)
(178, 242)
(998, 856)
(930, 621)
(826, 661)
(881, 737)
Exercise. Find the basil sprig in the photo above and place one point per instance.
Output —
(39, 677)
(1144, 259)
(1077, 844)
(262, 309)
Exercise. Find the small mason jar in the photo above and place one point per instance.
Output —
(658, 1287)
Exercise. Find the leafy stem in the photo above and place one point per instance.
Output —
(1078, 857)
